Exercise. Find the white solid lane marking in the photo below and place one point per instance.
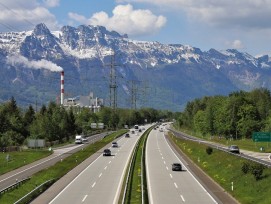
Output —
(84, 198)
(105, 168)
(175, 185)
(93, 184)
(170, 175)
(182, 198)
(100, 175)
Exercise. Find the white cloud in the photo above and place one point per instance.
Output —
(222, 13)
(51, 3)
(125, 20)
(16, 15)
(236, 44)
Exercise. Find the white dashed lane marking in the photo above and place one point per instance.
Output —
(84, 198)
(175, 185)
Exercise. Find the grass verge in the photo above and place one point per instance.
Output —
(58, 170)
(226, 168)
(19, 159)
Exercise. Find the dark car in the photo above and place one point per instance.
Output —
(114, 144)
(234, 149)
(176, 167)
(127, 135)
(107, 152)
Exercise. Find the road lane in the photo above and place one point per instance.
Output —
(165, 185)
(101, 181)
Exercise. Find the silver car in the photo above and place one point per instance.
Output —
(234, 149)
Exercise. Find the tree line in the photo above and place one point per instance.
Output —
(237, 115)
(55, 123)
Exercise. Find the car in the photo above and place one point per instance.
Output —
(139, 130)
(133, 132)
(84, 139)
(176, 167)
(234, 149)
(107, 152)
(114, 144)
(127, 135)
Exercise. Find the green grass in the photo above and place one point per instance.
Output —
(58, 170)
(225, 168)
(19, 159)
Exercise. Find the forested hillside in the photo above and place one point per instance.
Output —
(237, 115)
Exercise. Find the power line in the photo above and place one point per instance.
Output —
(27, 21)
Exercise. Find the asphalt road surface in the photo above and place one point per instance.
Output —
(165, 185)
(101, 181)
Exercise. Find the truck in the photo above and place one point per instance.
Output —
(78, 139)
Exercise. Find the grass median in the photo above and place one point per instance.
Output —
(58, 170)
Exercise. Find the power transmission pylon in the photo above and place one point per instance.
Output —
(134, 94)
(145, 95)
(113, 84)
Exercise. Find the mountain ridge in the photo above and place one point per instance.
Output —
(166, 76)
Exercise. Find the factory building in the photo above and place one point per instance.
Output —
(94, 103)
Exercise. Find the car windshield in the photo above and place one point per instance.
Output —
(176, 164)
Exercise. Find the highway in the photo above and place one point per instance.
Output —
(165, 185)
(102, 180)
(28, 170)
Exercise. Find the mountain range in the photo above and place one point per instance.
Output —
(146, 74)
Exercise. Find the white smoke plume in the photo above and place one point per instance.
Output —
(41, 64)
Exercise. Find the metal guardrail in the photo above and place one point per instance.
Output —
(15, 185)
(21, 200)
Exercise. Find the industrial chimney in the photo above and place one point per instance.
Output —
(62, 89)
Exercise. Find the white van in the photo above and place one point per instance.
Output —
(78, 139)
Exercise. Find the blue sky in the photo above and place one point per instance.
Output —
(240, 24)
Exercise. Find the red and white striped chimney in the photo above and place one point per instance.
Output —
(62, 88)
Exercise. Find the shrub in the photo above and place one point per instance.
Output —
(209, 150)
(257, 171)
(245, 167)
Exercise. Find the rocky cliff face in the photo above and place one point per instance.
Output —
(158, 75)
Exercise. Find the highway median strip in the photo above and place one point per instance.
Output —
(135, 186)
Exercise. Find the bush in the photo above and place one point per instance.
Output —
(245, 167)
(257, 171)
(209, 150)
